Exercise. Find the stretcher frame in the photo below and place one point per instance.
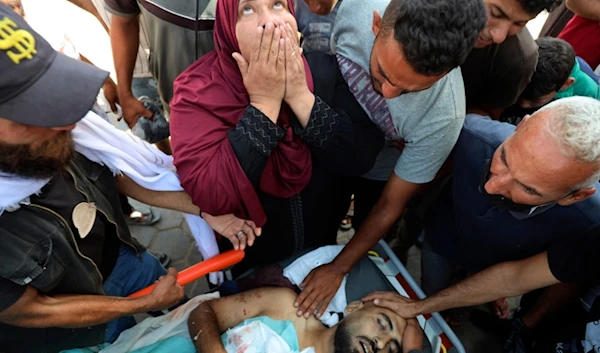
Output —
(440, 335)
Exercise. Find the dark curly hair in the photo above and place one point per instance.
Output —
(435, 35)
(555, 62)
(536, 6)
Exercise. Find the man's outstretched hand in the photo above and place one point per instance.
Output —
(404, 307)
(318, 288)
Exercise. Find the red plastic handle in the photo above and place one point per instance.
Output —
(200, 269)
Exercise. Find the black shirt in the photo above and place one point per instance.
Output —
(576, 258)
(101, 244)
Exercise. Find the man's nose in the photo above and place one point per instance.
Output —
(498, 184)
(380, 343)
(500, 32)
(388, 92)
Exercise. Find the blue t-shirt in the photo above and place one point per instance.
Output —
(316, 29)
(464, 227)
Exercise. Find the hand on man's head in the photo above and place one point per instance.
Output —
(391, 300)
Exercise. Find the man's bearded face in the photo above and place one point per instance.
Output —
(37, 160)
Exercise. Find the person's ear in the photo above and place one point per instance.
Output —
(354, 306)
(577, 196)
(522, 122)
(568, 83)
(376, 22)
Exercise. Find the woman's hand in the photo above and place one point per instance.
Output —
(264, 73)
(297, 94)
(241, 233)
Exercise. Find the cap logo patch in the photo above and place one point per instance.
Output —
(18, 43)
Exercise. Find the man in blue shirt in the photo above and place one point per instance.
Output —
(515, 190)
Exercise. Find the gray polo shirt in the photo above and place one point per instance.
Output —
(176, 36)
(428, 121)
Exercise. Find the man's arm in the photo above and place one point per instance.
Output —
(589, 9)
(174, 200)
(210, 319)
(507, 279)
(75, 311)
(322, 283)
(226, 225)
(396, 195)
(88, 6)
(125, 41)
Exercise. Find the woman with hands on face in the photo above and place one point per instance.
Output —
(250, 138)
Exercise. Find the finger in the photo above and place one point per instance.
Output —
(289, 54)
(314, 306)
(235, 241)
(384, 303)
(113, 105)
(284, 30)
(293, 36)
(324, 305)
(281, 61)
(172, 272)
(302, 297)
(241, 62)
(383, 295)
(256, 45)
(309, 302)
(265, 44)
(274, 53)
(147, 114)
(243, 239)
(250, 237)
(257, 230)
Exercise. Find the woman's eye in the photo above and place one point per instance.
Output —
(380, 324)
(278, 5)
(247, 10)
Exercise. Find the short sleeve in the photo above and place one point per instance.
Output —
(123, 8)
(426, 151)
(9, 293)
(575, 258)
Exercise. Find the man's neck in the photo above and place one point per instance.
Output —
(323, 340)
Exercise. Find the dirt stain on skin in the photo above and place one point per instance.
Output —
(245, 312)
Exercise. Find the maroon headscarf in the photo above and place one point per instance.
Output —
(208, 101)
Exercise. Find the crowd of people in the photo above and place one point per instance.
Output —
(445, 116)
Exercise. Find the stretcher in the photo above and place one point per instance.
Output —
(439, 335)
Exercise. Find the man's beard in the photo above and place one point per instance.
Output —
(342, 339)
(40, 162)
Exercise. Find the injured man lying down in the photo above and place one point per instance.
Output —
(264, 320)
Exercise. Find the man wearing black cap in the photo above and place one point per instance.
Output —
(67, 258)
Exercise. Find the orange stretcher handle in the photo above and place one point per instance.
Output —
(200, 269)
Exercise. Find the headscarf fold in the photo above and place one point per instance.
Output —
(209, 99)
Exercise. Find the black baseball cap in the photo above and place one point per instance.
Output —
(39, 86)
